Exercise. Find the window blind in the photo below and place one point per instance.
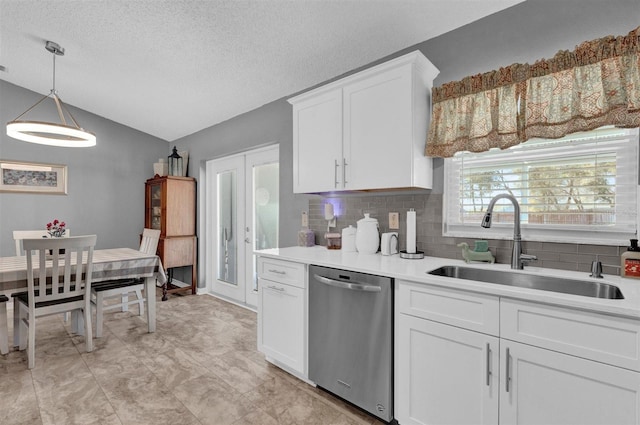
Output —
(581, 187)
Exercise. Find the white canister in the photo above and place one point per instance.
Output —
(161, 167)
(389, 243)
(367, 235)
(349, 239)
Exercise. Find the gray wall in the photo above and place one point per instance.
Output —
(269, 124)
(105, 184)
(524, 33)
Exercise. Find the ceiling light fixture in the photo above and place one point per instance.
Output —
(47, 133)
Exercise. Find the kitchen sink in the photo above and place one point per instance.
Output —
(586, 288)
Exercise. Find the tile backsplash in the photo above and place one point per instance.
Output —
(351, 207)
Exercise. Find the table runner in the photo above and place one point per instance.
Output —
(108, 264)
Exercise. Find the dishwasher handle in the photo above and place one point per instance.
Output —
(347, 285)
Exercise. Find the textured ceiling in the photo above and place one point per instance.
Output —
(171, 68)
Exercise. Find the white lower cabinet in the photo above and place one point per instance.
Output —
(446, 374)
(282, 315)
(546, 387)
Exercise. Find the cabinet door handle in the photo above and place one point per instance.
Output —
(277, 271)
(275, 288)
(489, 372)
(344, 172)
(507, 379)
(335, 173)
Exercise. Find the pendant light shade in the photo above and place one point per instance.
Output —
(62, 134)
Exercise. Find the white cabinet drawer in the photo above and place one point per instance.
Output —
(282, 271)
(608, 339)
(477, 312)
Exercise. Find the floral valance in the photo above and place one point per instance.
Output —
(596, 84)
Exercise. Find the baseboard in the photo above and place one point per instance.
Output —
(229, 300)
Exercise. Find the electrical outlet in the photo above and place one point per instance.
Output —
(394, 221)
(305, 219)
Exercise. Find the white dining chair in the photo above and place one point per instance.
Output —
(4, 326)
(122, 288)
(19, 235)
(65, 286)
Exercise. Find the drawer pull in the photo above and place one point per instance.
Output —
(275, 288)
(277, 271)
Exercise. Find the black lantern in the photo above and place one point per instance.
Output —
(175, 163)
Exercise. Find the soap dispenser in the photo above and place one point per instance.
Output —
(630, 261)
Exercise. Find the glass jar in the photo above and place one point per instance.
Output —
(334, 240)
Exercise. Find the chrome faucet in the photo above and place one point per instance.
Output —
(517, 257)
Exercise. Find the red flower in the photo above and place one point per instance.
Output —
(56, 228)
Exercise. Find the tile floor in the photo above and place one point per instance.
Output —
(201, 366)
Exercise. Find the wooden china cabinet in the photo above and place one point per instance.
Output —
(170, 204)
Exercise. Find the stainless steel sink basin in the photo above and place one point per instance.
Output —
(587, 288)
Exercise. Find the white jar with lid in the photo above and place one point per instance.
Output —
(367, 235)
(349, 239)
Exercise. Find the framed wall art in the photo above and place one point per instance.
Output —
(33, 177)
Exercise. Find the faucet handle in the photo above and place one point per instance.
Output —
(596, 269)
(528, 257)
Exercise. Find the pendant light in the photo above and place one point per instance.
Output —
(48, 133)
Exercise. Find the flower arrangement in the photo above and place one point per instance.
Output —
(56, 228)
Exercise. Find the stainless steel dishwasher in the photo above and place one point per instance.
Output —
(351, 337)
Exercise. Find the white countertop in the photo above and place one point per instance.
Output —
(415, 271)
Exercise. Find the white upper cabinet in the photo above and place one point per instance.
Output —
(317, 135)
(366, 131)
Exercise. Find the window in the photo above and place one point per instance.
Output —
(581, 188)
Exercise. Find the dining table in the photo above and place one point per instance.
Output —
(108, 264)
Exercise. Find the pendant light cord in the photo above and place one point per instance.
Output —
(53, 90)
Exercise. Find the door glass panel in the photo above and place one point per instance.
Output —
(227, 239)
(266, 205)
(156, 206)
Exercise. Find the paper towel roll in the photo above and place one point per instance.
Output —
(411, 231)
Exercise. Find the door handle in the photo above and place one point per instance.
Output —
(247, 240)
(355, 286)
(344, 172)
(489, 372)
(507, 379)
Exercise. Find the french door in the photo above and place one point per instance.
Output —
(242, 216)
